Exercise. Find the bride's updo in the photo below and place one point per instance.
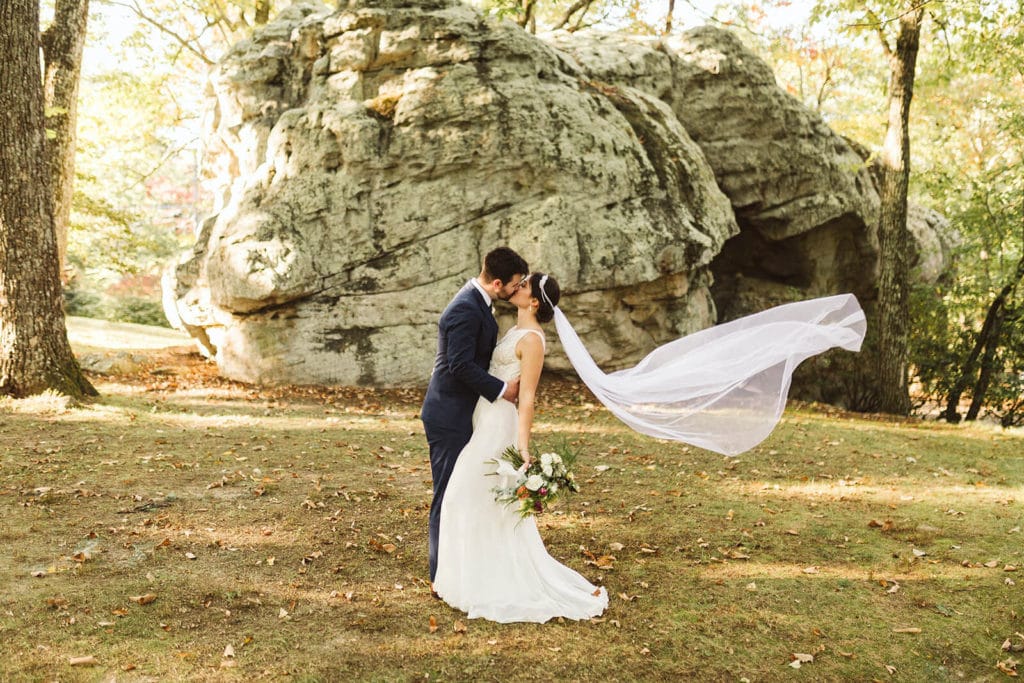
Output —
(548, 299)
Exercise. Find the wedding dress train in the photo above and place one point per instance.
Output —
(492, 563)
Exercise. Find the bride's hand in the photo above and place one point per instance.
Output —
(527, 459)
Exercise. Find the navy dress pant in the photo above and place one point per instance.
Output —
(445, 444)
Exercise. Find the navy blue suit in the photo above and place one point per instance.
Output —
(466, 336)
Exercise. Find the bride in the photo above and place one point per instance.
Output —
(723, 389)
(492, 563)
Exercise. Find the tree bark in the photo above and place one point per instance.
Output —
(62, 43)
(987, 368)
(263, 8)
(893, 285)
(988, 338)
(34, 351)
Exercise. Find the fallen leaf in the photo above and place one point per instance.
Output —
(799, 659)
(911, 629)
(282, 614)
(891, 669)
(752, 587)
(433, 624)
(143, 599)
(459, 627)
(918, 553)
(1010, 568)
(810, 570)
(615, 547)
(792, 532)
(84, 661)
(992, 564)
(190, 556)
(229, 651)
(1008, 667)
(645, 651)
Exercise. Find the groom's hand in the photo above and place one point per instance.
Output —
(511, 391)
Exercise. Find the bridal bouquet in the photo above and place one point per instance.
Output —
(533, 488)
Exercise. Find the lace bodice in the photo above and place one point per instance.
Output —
(504, 363)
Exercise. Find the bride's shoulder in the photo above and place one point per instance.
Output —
(531, 338)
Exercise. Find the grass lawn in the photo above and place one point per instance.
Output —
(186, 527)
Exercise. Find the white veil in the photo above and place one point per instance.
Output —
(723, 388)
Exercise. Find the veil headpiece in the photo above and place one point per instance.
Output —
(543, 292)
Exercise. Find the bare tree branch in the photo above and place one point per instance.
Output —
(572, 9)
(877, 22)
(184, 42)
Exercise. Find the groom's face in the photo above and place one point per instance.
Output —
(513, 285)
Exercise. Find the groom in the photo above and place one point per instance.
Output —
(467, 334)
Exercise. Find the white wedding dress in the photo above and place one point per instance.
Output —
(491, 563)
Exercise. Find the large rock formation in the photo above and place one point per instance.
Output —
(370, 156)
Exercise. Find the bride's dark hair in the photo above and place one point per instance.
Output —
(546, 311)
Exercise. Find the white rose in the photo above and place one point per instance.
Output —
(534, 482)
(546, 458)
(546, 469)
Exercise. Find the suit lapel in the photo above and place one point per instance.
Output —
(489, 322)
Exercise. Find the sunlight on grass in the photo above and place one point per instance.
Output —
(949, 494)
(830, 572)
(47, 403)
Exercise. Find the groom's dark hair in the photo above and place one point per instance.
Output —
(502, 264)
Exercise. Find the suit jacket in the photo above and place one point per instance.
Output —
(466, 336)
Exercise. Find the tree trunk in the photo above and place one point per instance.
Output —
(893, 285)
(34, 351)
(987, 338)
(62, 53)
(262, 12)
(987, 367)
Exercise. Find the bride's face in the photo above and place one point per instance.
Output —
(522, 297)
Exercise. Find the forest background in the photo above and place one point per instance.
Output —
(140, 190)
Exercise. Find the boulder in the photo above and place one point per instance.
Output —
(368, 157)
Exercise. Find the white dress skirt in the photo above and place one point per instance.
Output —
(492, 563)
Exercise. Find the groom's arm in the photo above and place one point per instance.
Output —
(461, 356)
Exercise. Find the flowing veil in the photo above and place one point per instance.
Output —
(723, 388)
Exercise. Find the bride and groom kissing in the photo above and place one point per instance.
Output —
(484, 558)
(723, 389)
